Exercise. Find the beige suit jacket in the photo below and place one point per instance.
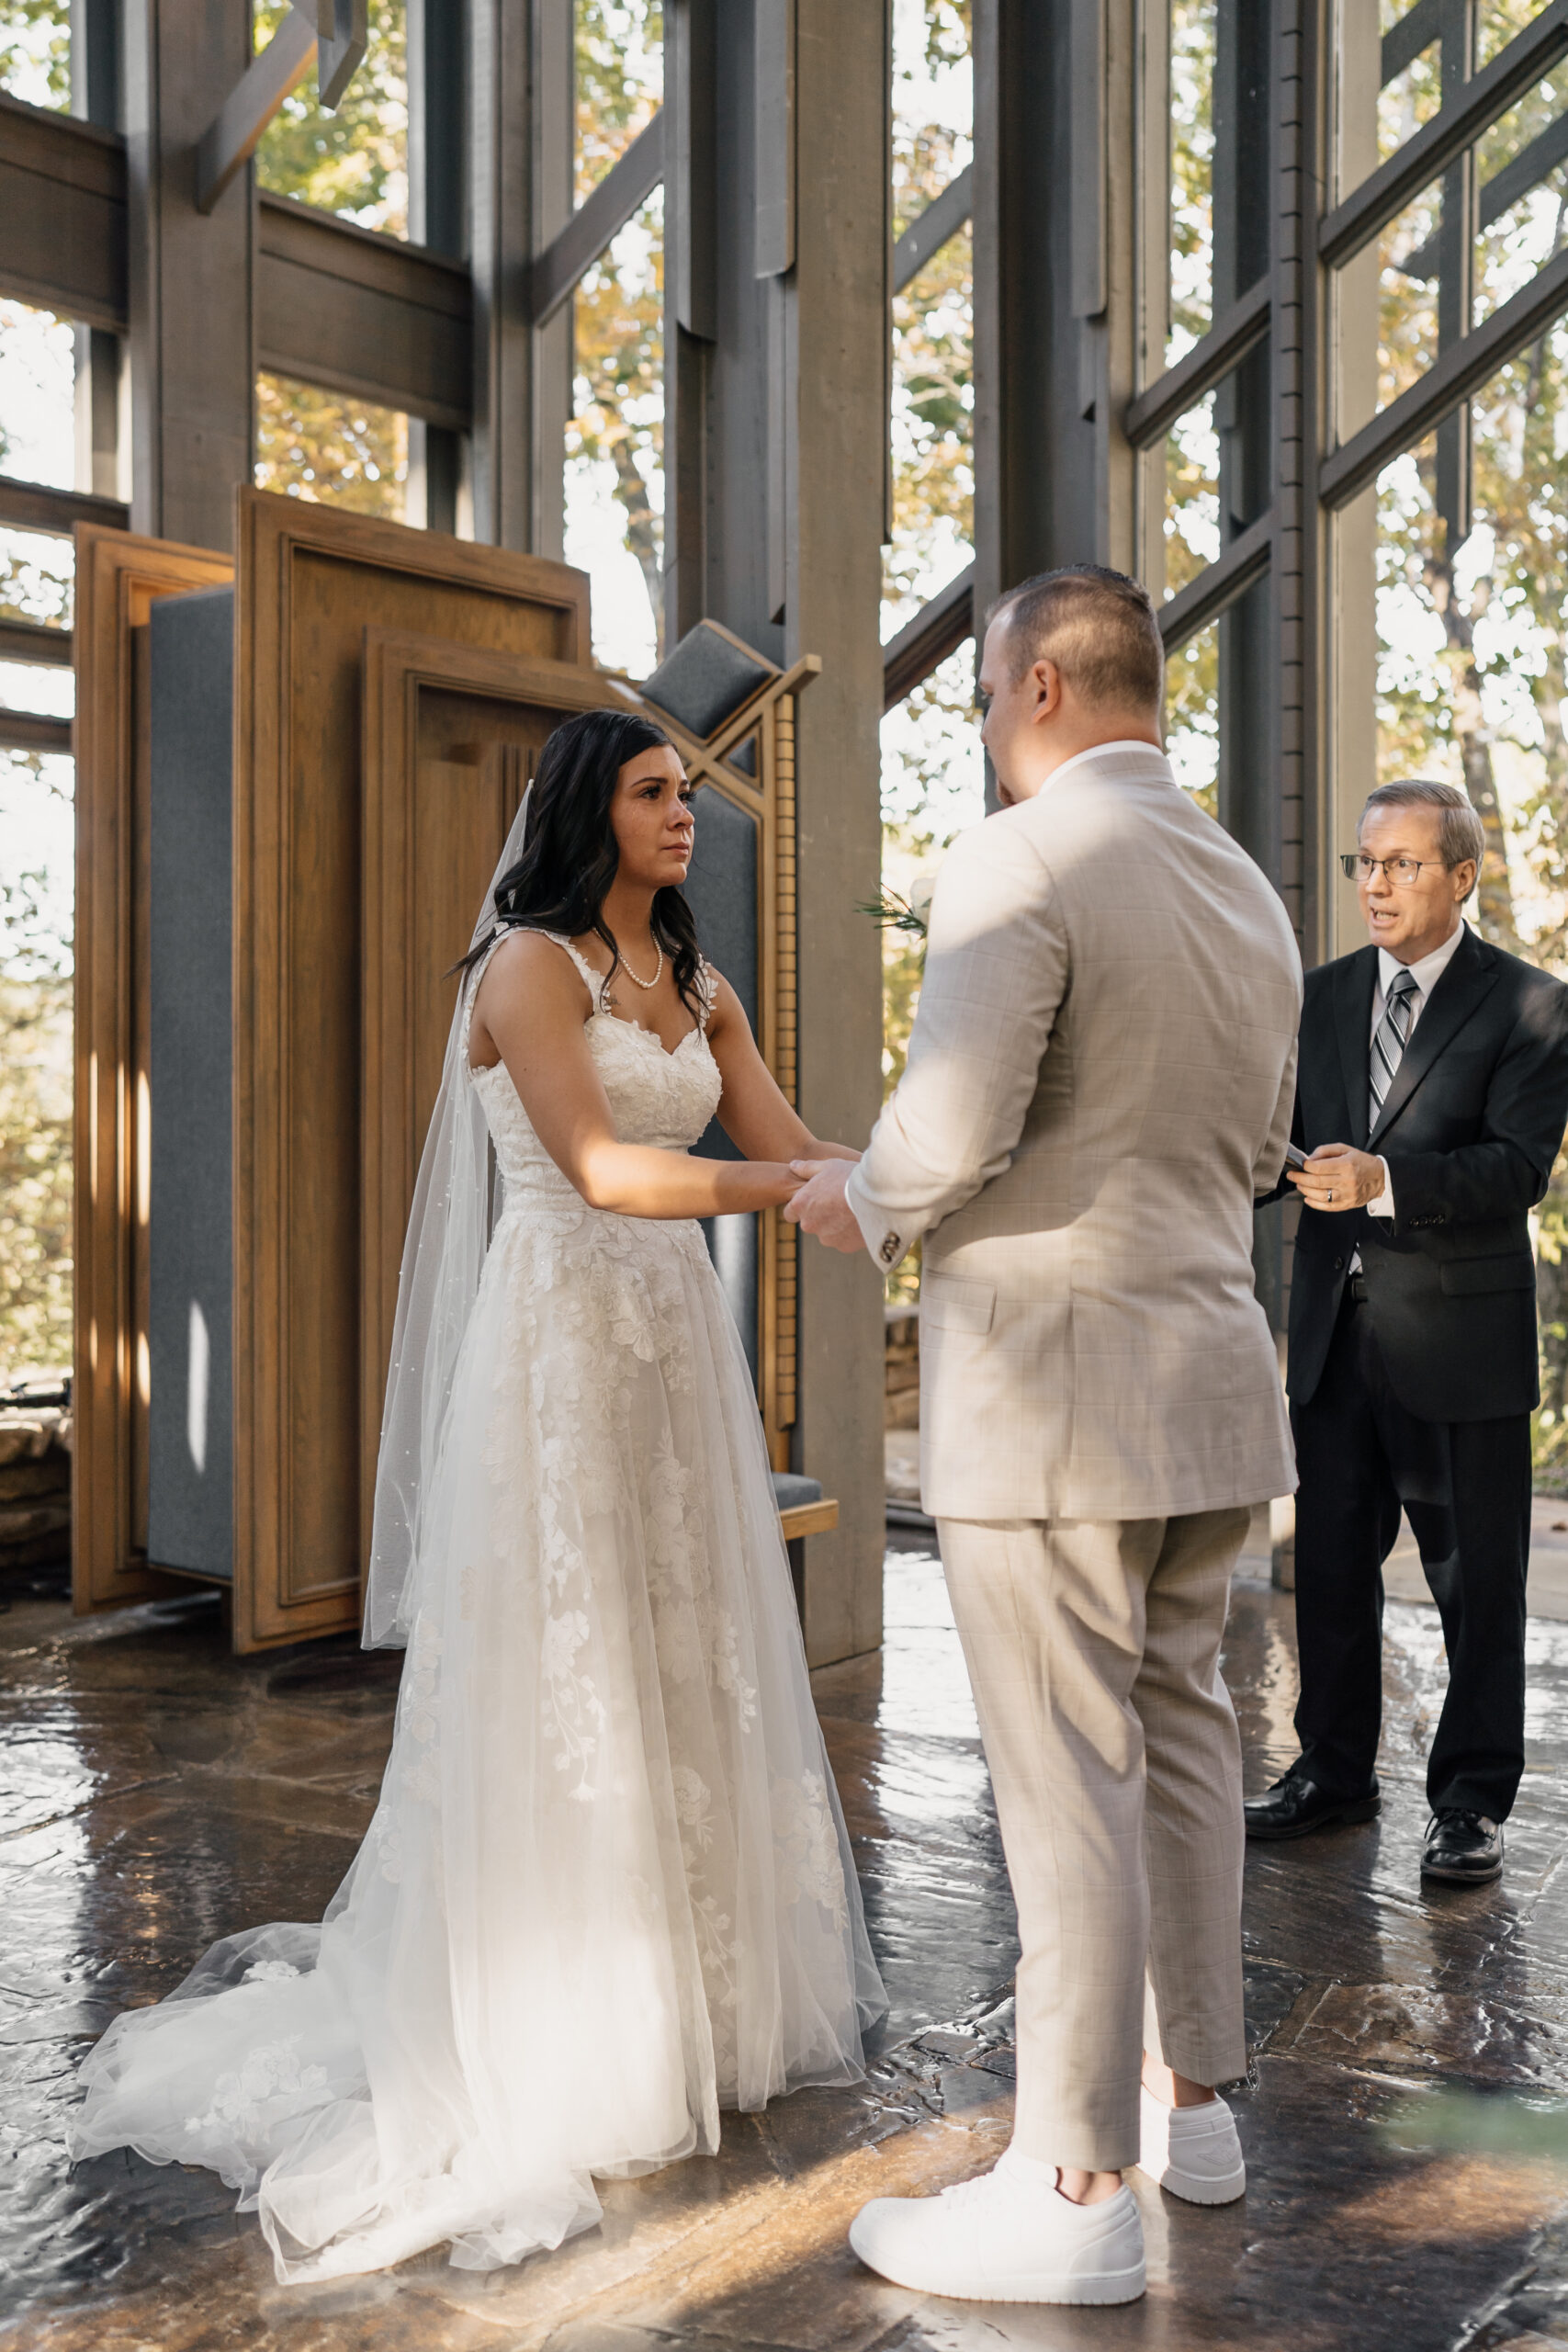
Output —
(1100, 1077)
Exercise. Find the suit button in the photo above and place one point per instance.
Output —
(1339, 1265)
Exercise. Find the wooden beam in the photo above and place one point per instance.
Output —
(1385, 195)
(35, 642)
(366, 314)
(943, 218)
(809, 1519)
(29, 730)
(35, 506)
(236, 132)
(1461, 370)
(938, 629)
(1238, 331)
(566, 260)
(63, 206)
(1218, 585)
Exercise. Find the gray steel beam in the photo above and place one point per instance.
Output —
(1218, 585)
(1241, 329)
(938, 629)
(830, 357)
(367, 314)
(1409, 35)
(236, 132)
(95, 93)
(1034, 450)
(1462, 369)
(63, 200)
(631, 180)
(1384, 194)
(926, 235)
(1501, 192)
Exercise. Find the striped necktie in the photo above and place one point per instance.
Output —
(1391, 1035)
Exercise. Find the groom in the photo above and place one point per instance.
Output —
(1100, 1080)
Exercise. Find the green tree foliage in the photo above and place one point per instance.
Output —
(330, 448)
(35, 1126)
(35, 51)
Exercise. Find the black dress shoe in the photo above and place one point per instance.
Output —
(1298, 1804)
(1465, 1849)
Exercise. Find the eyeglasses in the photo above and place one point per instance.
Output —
(1401, 870)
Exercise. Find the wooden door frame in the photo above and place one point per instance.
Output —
(398, 665)
(118, 579)
(273, 1603)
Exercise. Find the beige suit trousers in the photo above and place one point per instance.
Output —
(1093, 1647)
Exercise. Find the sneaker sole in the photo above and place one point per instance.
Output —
(1361, 1809)
(1103, 2287)
(1195, 2190)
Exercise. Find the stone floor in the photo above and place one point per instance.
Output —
(1404, 2123)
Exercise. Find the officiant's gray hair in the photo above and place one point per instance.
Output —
(1461, 832)
(1097, 626)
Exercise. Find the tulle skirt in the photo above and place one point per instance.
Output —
(607, 1889)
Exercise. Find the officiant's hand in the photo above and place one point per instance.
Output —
(1338, 1177)
(819, 1206)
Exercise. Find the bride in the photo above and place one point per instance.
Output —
(607, 1889)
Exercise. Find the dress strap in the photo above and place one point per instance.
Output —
(707, 989)
(596, 983)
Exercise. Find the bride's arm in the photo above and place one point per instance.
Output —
(531, 1006)
(754, 1114)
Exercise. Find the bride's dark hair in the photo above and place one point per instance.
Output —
(570, 852)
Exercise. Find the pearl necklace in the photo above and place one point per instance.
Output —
(657, 970)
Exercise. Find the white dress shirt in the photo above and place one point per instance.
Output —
(1425, 975)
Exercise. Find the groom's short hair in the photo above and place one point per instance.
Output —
(1098, 626)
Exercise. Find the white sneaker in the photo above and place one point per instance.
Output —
(1006, 2238)
(1192, 2151)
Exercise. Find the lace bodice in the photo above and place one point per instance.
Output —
(655, 1097)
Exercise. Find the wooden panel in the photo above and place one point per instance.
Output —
(366, 314)
(451, 737)
(311, 581)
(118, 580)
(63, 201)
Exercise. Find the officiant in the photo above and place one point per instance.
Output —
(1432, 1092)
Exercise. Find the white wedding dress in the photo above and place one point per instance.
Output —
(607, 1889)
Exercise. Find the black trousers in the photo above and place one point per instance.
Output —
(1466, 1487)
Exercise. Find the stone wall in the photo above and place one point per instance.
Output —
(35, 1477)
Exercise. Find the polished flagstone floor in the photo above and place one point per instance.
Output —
(1405, 2119)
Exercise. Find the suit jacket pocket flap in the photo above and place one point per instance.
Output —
(949, 1304)
(1463, 1277)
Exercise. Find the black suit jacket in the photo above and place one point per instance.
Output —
(1470, 1128)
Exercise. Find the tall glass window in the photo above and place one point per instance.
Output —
(36, 859)
(614, 436)
(354, 161)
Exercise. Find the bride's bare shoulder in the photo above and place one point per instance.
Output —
(528, 970)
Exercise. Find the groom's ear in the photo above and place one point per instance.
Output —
(1047, 683)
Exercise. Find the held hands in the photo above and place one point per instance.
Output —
(819, 1206)
(1338, 1177)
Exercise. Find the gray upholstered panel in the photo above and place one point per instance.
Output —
(707, 677)
(721, 888)
(190, 1335)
